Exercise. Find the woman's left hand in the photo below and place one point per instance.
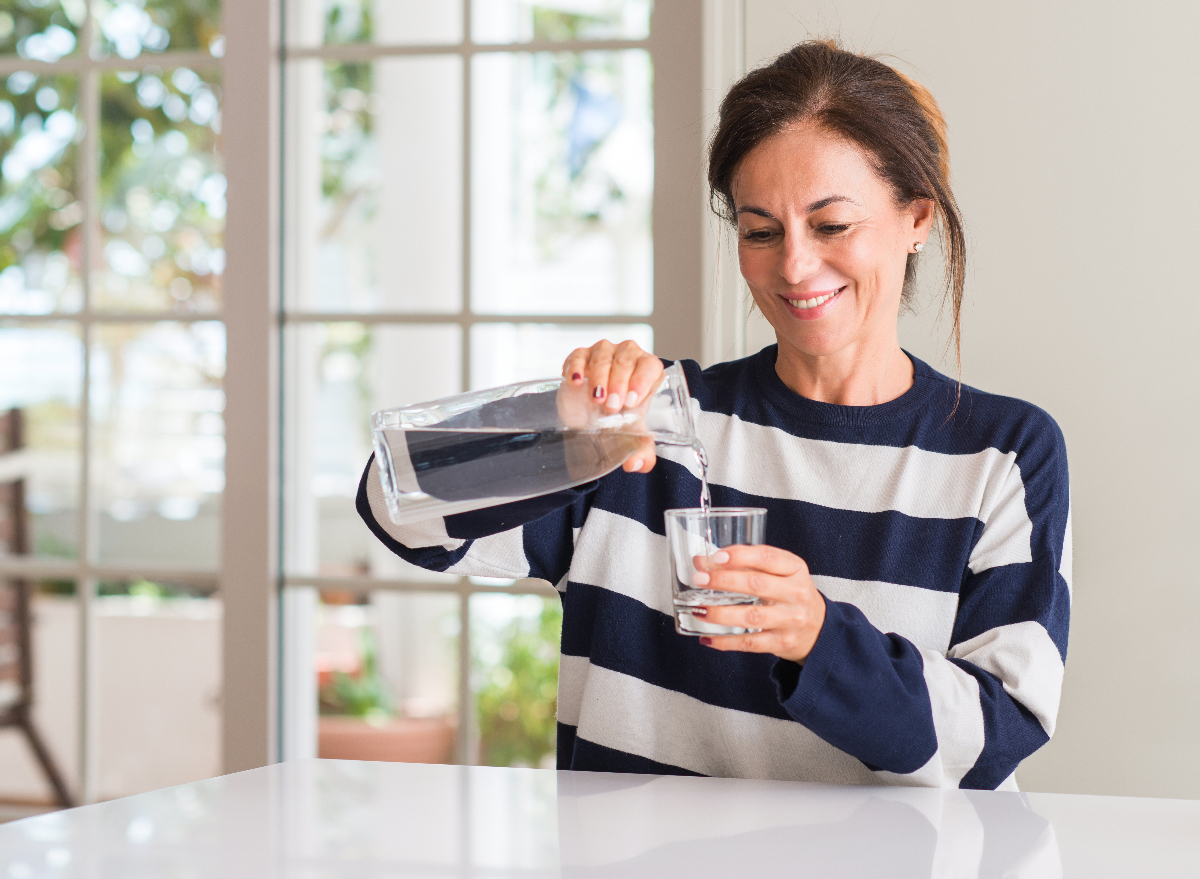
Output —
(792, 610)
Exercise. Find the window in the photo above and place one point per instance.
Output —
(112, 346)
(471, 190)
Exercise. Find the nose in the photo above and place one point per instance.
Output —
(798, 260)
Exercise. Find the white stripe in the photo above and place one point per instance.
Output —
(627, 714)
(923, 616)
(572, 683)
(957, 722)
(1007, 537)
(1024, 658)
(623, 556)
(500, 555)
(1064, 566)
(771, 463)
(417, 535)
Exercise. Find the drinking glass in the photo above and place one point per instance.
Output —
(689, 539)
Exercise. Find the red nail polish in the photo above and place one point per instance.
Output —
(599, 393)
(707, 642)
(576, 377)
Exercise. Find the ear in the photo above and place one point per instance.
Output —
(921, 211)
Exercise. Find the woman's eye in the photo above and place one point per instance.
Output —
(833, 228)
(758, 236)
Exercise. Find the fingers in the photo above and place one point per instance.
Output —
(788, 630)
(758, 642)
(768, 586)
(771, 616)
(643, 382)
(613, 377)
(575, 366)
(596, 365)
(643, 460)
(625, 359)
(764, 558)
(617, 376)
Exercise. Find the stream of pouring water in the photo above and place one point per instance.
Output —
(705, 499)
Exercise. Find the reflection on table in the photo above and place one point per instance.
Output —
(328, 817)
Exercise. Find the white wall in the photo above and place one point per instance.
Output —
(1075, 139)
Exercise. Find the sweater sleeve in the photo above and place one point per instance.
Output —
(528, 538)
(966, 717)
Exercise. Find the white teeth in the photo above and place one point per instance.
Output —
(812, 303)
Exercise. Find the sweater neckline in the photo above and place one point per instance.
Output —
(926, 381)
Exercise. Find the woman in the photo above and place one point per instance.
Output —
(915, 589)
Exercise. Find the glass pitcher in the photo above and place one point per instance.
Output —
(519, 441)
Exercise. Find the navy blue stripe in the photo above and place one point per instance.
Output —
(623, 635)
(1016, 593)
(1010, 732)
(889, 546)
(505, 517)
(929, 416)
(864, 692)
(590, 757)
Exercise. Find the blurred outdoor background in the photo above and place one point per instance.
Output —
(400, 185)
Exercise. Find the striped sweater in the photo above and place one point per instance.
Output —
(941, 543)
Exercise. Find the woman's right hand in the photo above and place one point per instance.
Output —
(616, 377)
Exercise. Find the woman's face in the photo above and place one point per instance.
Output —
(822, 244)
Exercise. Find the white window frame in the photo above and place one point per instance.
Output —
(86, 570)
(251, 580)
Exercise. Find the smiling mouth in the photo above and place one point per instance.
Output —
(814, 302)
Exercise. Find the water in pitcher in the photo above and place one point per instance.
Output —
(500, 445)
(481, 467)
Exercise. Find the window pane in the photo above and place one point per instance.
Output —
(562, 178)
(41, 246)
(388, 22)
(375, 193)
(337, 375)
(159, 682)
(519, 21)
(387, 678)
(159, 445)
(41, 31)
(41, 377)
(162, 192)
(129, 28)
(505, 353)
(514, 675)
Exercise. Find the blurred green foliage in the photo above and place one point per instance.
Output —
(362, 694)
(517, 699)
(159, 133)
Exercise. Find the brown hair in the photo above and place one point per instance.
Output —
(893, 118)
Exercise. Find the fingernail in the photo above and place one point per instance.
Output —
(707, 642)
(720, 557)
(598, 393)
(631, 399)
(614, 402)
(637, 465)
(700, 578)
(698, 611)
(576, 377)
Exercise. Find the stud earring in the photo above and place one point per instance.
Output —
(918, 247)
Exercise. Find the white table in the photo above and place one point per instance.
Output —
(319, 818)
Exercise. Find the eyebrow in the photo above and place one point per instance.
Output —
(815, 206)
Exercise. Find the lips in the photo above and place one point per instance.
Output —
(812, 307)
